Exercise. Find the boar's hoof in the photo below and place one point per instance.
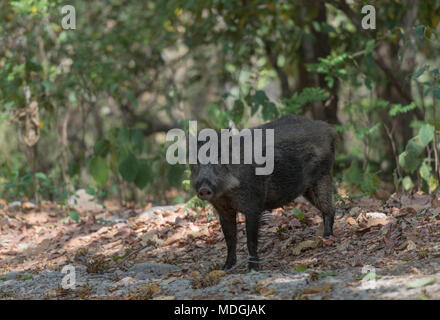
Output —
(228, 265)
(328, 234)
(253, 266)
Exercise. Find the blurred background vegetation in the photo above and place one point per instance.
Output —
(89, 108)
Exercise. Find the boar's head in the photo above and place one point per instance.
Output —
(210, 180)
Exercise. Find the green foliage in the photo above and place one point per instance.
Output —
(17, 185)
(399, 109)
(298, 213)
(195, 203)
(107, 91)
(366, 181)
(295, 104)
(74, 216)
(99, 170)
(332, 66)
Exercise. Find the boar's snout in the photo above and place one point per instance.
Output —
(205, 193)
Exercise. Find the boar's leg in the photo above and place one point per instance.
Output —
(228, 221)
(252, 225)
(321, 196)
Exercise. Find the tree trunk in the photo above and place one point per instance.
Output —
(311, 50)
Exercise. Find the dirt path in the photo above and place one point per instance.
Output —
(381, 250)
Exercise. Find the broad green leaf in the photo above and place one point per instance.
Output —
(237, 111)
(437, 92)
(101, 148)
(137, 139)
(426, 134)
(301, 268)
(129, 167)
(41, 175)
(407, 183)
(409, 161)
(414, 149)
(370, 46)
(259, 97)
(144, 175)
(270, 111)
(175, 175)
(432, 183)
(425, 171)
(74, 216)
(298, 213)
(99, 170)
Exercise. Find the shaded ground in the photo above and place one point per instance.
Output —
(381, 250)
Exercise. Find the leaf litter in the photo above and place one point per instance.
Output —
(395, 236)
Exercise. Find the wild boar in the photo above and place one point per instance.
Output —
(303, 156)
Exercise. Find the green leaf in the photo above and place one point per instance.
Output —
(437, 92)
(419, 72)
(352, 175)
(270, 111)
(99, 170)
(137, 139)
(398, 108)
(414, 148)
(298, 213)
(101, 148)
(408, 162)
(129, 167)
(407, 183)
(421, 282)
(123, 137)
(425, 171)
(426, 134)
(41, 175)
(371, 276)
(328, 274)
(90, 191)
(175, 175)
(259, 97)
(237, 111)
(74, 216)
(144, 175)
(369, 182)
(432, 183)
(370, 46)
(301, 268)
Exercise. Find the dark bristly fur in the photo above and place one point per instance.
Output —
(304, 155)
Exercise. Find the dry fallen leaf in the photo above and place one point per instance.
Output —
(266, 291)
(217, 273)
(411, 245)
(318, 289)
(382, 194)
(308, 244)
(351, 221)
(194, 274)
(237, 281)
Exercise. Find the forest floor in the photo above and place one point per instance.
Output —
(380, 250)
